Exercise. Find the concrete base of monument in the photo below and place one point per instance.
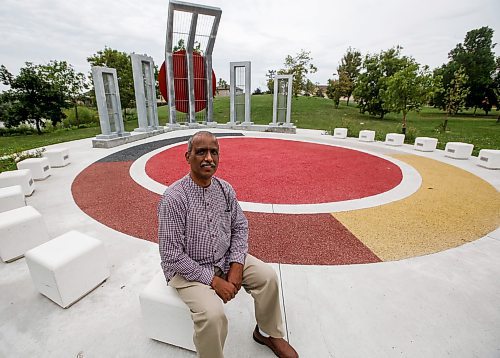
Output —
(250, 126)
(117, 141)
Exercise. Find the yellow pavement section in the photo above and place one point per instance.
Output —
(451, 207)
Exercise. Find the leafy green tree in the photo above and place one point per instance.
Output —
(373, 78)
(32, 98)
(222, 83)
(333, 91)
(407, 90)
(496, 85)
(270, 81)
(309, 89)
(476, 56)
(122, 63)
(72, 84)
(348, 70)
(299, 66)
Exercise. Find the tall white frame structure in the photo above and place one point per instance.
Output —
(145, 92)
(233, 81)
(195, 10)
(107, 95)
(282, 95)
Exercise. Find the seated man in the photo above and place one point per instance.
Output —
(203, 237)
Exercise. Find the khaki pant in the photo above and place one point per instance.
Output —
(210, 322)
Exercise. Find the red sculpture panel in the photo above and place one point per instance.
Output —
(181, 81)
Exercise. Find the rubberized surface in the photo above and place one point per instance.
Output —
(451, 207)
(277, 171)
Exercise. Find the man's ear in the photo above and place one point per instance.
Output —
(186, 155)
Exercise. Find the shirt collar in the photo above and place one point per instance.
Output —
(193, 186)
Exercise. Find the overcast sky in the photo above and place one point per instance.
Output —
(260, 31)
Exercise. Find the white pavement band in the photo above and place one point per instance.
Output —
(409, 184)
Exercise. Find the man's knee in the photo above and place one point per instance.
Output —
(215, 316)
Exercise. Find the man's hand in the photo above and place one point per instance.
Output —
(235, 274)
(224, 289)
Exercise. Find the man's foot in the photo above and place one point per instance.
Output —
(279, 346)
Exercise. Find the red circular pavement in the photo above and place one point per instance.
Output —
(274, 171)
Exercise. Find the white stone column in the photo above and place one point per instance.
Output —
(282, 87)
(145, 92)
(107, 96)
(233, 66)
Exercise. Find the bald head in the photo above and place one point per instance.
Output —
(196, 135)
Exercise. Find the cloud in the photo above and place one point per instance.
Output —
(263, 32)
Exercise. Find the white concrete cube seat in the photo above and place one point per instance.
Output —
(340, 133)
(489, 158)
(166, 318)
(458, 150)
(395, 139)
(425, 144)
(367, 136)
(11, 197)
(22, 177)
(21, 229)
(58, 157)
(68, 267)
(40, 167)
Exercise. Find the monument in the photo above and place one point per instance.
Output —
(187, 77)
(240, 93)
(282, 101)
(145, 92)
(107, 96)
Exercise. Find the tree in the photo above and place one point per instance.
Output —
(309, 89)
(222, 83)
(477, 58)
(66, 79)
(333, 91)
(31, 98)
(373, 78)
(496, 85)
(270, 81)
(407, 90)
(299, 66)
(123, 65)
(348, 70)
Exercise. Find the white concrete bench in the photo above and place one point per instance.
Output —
(166, 318)
(22, 177)
(340, 133)
(21, 229)
(489, 158)
(395, 139)
(57, 157)
(11, 197)
(458, 150)
(40, 167)
(425, 144)
(68, 267)
(367, 136)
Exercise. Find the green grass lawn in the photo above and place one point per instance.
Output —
(312, 113)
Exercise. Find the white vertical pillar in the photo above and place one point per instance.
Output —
(233, 66)
(108, 102)
(288, 107)
(145, 92)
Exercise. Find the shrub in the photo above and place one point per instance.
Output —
(9, 162)
(86, 115)
(22, 129)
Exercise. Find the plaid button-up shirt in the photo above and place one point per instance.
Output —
(200, 229)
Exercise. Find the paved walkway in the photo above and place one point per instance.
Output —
(436, 293)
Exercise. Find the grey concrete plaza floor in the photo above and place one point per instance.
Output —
(441, 305)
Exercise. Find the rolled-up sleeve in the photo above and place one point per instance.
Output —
(172, 242)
